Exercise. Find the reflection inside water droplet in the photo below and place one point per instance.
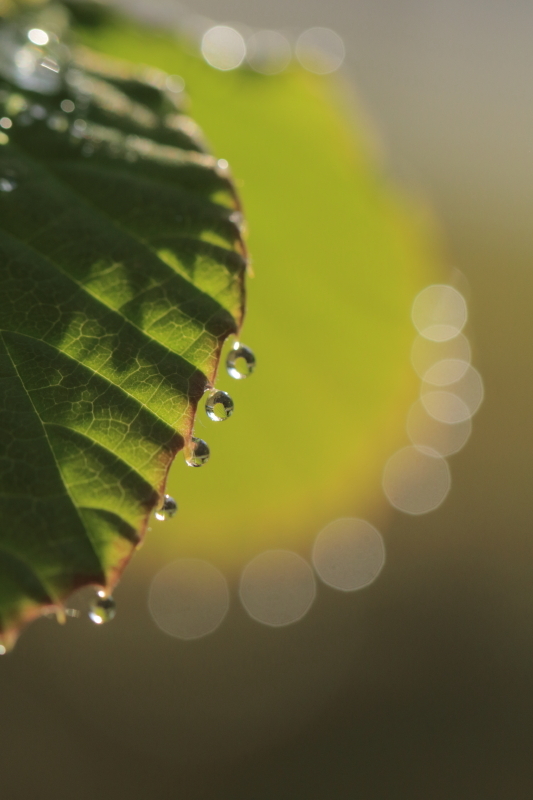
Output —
(167, 510)
(199, 453)
(240, 362)
(219, 406)
(102, 609)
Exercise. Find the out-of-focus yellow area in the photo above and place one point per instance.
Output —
(338, 258)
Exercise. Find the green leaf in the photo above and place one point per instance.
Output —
(122, 266)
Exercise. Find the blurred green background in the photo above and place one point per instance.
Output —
(419, 686)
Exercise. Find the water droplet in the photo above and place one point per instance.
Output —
(219, 406)
(240, 362)
(102, 609)
(167, 510)
(67, 106)
(3, 650)
(222, 163)
(7, 185)
(199, 453)
(6, 123)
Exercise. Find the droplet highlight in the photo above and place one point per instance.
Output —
(199, 453)
(102, 609)
(240, 362)
(167, 510)
(219, 406)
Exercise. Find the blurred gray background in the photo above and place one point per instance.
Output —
(423, 686)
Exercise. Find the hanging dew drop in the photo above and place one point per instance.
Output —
(240, 362)
(102, 609)
(219, 406)
(199, 453)
(167, 510)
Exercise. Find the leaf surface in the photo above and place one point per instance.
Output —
(122, 267)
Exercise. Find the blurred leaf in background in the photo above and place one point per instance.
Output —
(338, 258)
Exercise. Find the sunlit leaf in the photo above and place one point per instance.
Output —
(122, 269)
